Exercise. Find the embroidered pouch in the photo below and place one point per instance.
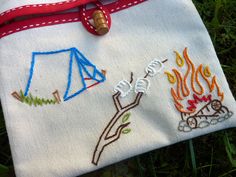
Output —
(75, 100)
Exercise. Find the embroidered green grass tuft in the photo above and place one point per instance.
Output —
(36, 101)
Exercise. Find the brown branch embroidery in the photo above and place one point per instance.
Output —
(106, 137)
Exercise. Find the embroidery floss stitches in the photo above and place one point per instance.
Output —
(124, 87)
(141, 87)
(202, 108)
(171, 77)
(154, 67)
(86, 70)
(31, 100)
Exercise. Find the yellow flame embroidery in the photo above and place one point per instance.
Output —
(207, 71)
(179, 59)
(171, 77)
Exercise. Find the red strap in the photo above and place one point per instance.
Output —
(85, 18)
(40, 9)
(56, 19)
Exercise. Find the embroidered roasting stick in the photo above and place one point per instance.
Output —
(106, 137)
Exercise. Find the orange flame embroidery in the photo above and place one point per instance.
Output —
(191, 84)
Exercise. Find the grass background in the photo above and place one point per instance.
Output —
(211, 155)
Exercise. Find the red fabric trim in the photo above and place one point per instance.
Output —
(62, 18)
(38, 22)
(40, 9)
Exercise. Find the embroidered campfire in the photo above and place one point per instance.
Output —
(196, 94)
(120, 120)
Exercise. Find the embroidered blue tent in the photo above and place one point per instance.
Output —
(82, 64)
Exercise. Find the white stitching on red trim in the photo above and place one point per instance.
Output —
(64, 20)
(39, 24)
(92, 27)
(124, 6)
(103, 11)
(36, 5)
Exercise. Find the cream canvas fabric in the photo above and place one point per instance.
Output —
(62, 139)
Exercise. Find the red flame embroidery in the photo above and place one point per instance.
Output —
(196, 100)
